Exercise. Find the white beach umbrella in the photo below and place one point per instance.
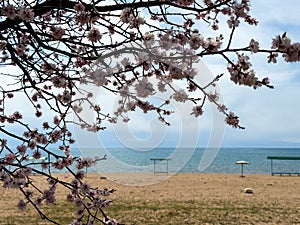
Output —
(242, 162)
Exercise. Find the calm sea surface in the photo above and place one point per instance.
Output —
(188, 160)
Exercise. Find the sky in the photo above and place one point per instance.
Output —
(271, 116)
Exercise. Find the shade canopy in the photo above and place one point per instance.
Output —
(242, 162)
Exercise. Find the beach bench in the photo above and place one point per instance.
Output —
(283, 158)
(161, 161)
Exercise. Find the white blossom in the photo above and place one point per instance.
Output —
(180, 96)
(144, 88)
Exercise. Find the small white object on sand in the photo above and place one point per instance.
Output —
(248, 190)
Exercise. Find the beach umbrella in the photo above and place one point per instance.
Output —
(242, 163)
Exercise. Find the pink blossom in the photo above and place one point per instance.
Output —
(56, 120)
(213, 96)
(135, 21)
(48, 67)
(82, 18)
(85, 188)
(281, 43)
(10, 158)
(79, 7)
(22, 205)
(213, 44)
(222, 108)
(57, 32)
(292, 53)
(38, 201)
(10, 12)
(144, 88)
(254, 46)
(79, 174)
(184, 2)
(99, 77)
(26, 14)
(94, 35)
(38, 113)
(59, 81)
(3, 142)
(58, 164)
(176, 72)
(180, 96)
(36, 154)
(49, 195)
(94, 127)
(55, 136)
(70, 198)
(233, 22)
(78, 202)
(125, 15)
(32, 144)
(65, 97)
(161, 86)
(272, 57)
(196, 41)
(148, 39)
(197, 111)
(22, 149)
(29, 193)
(17, 115)
(232, 120)
(21, 50)
(85, 162)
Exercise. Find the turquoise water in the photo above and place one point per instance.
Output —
(188, 160)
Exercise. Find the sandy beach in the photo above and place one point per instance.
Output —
(145, 198)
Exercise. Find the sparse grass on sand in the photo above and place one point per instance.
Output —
(181, 199)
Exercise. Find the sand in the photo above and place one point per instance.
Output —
(208, 198)
(193, 186)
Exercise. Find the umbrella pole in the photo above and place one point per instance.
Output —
(242, 173)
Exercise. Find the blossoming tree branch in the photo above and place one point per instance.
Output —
(52, 51)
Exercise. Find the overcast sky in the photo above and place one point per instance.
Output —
(271, 116)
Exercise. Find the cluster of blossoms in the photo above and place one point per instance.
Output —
(95, 199)
(180, 96)
(25, 14)
(94, 35)
(209, 44)
(184, 2)
(127, 16)
(18, 180)
(197, 111)
(82, 17)
(240, 72)
(62, 163)
(232, 120)
(283, 44)
(144, 88)
(85, 162)
(57, 32)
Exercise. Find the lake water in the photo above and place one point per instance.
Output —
(188, 160)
